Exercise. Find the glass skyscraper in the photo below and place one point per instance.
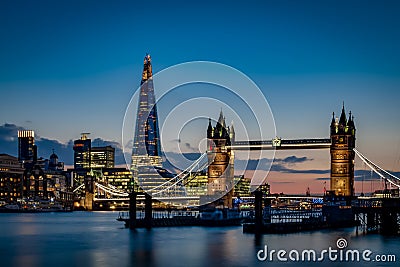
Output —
(146, 153)
(82, 149)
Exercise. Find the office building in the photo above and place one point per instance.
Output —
(26, 142)
(88, 157)
(11, 175)
(82, 155)
(102, 157)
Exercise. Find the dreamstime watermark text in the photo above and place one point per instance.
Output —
(337, 254)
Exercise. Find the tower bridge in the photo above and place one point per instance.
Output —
(341, 145)
(219, 158)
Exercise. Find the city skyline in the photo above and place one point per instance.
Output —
(77, 65)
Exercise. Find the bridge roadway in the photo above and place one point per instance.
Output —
(198, 198)
(282, 144)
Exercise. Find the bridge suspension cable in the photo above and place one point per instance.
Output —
(180, 180)
(394, 180)
(177, 180)
(179, 177)
(116, 189)
(80, 186)
(110, 191)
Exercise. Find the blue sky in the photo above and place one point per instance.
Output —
(68, 67)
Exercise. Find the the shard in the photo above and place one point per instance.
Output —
(146, 153)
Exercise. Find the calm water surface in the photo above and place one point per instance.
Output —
(97, 239)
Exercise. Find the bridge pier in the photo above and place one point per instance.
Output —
(389, 224)
(389, 216)
(379, 215)
(258, 210)
(148, 210)
(88, 201)
(132, 210)
(89, 192)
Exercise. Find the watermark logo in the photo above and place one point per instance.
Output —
(338, 254)
(341, 243)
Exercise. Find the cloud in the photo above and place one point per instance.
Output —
(284, 169)
(9, 144)
(293, 160)
(9, 138)
(171, 160)
(65, 152)
(253, 164)
(366, 175)
(284, 165)
(362, 175)
(279, 164)
(119, 154)
(189, 146)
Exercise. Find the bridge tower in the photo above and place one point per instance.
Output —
(343, 140)
(220, 170)
(89, 190)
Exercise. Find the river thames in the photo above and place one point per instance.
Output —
(97, 239)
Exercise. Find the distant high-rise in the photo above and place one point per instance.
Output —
(88, 157)
(146, 147)
(26, 142)
(102, 157)
(82, 148)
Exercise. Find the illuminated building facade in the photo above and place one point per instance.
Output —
(343, 138)
(146, 151)
(57, 183)
(221, 160)
(11, 175)
(34, 181)
(87, 158)
(197, 185)
(82, 149)
(58, 180)
(26, 142)
(102, 157)
(120, 178)
(242, 187)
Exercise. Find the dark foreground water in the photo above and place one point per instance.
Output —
(97, 239)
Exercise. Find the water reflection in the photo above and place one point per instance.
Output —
(141, 248)
(97, 239)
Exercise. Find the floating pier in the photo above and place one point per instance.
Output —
(378, 215)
